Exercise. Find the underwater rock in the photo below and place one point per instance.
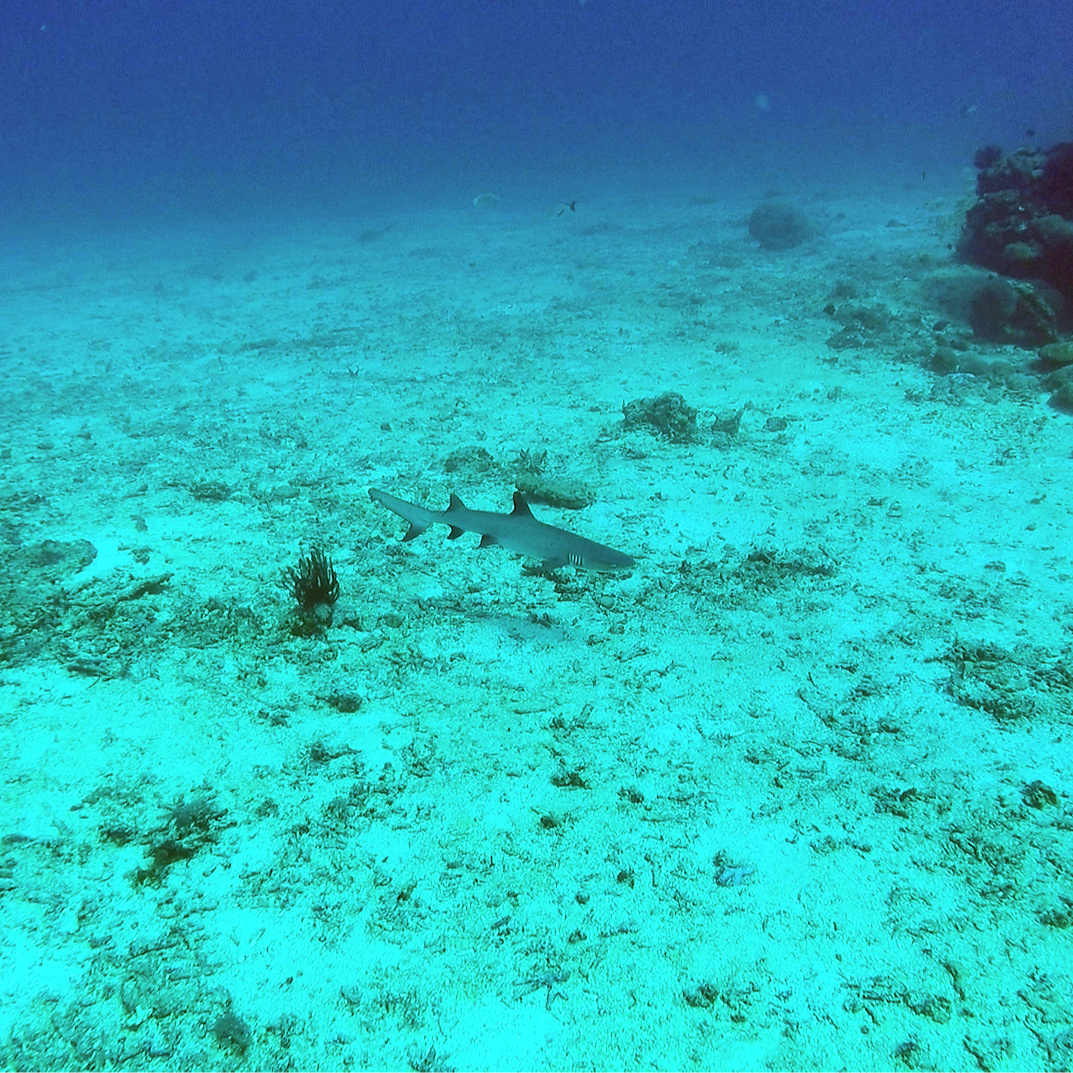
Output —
(1021, 225)
(1007, 313)
(1056, 355)
(729, 422)
(986, 156)
(668, 414)
(1062, 399)
(59, 558)
(1060, 383)
(779, 225)
(567, 494)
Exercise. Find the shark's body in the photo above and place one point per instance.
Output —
(518, 531)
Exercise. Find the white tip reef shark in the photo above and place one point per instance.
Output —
(518, 531)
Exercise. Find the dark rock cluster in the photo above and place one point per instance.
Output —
(779, 225)
(667, 414)
(1021, 225)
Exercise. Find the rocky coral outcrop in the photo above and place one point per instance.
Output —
(1021, 225)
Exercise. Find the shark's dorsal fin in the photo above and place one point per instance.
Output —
(455, 503)
(521, 508)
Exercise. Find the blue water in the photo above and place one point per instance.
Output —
(137, 111)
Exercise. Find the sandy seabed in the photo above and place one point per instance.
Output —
(792, 793)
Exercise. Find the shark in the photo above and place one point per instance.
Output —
(518, 531)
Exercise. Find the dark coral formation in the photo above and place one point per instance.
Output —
(779, 225)
(1006, 313)
(1022, 223)
(668, 414)
(987, 156)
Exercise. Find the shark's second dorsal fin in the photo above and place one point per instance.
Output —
(521, 508)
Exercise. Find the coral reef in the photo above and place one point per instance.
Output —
(667, 414)
(1021, 225)
(779, 225)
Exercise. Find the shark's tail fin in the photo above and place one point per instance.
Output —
(418, 517)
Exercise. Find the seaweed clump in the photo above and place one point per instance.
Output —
(314, 586)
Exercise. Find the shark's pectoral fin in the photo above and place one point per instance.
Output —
(455, 533)
(554, 563)
(487, 541)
